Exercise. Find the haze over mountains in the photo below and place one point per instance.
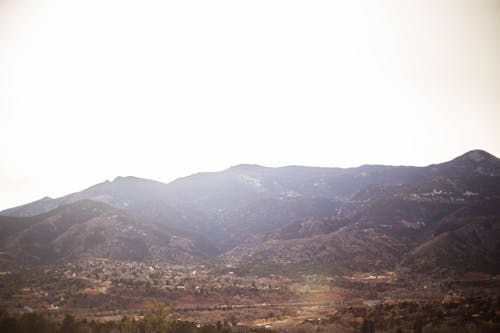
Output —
(435, 219)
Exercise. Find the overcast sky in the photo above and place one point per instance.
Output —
(93, 89)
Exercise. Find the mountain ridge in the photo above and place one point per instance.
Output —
(476, 156)
(252, 216)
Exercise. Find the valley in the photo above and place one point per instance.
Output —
(104, 290)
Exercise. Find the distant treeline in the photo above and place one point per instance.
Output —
(158, 319)
(455, 315)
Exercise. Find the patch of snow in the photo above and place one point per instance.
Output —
(251, 181)
(291, 194)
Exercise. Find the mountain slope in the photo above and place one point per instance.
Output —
(467, 240)
(350, 248)
(449, 229)
(120, 193)
(341, 219)
(92, 229)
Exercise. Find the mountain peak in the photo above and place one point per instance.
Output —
(474, 162)
(245, 167)
(478, 155)
(133, 180)
(125, 178)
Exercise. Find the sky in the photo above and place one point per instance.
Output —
(91, 90)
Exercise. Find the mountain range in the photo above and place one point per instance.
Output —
(435, 219)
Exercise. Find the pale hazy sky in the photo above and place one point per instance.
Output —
(93, 89)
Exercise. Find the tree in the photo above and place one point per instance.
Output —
(418, 325)
(159, 318)
(368, 326)
(33, 322)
